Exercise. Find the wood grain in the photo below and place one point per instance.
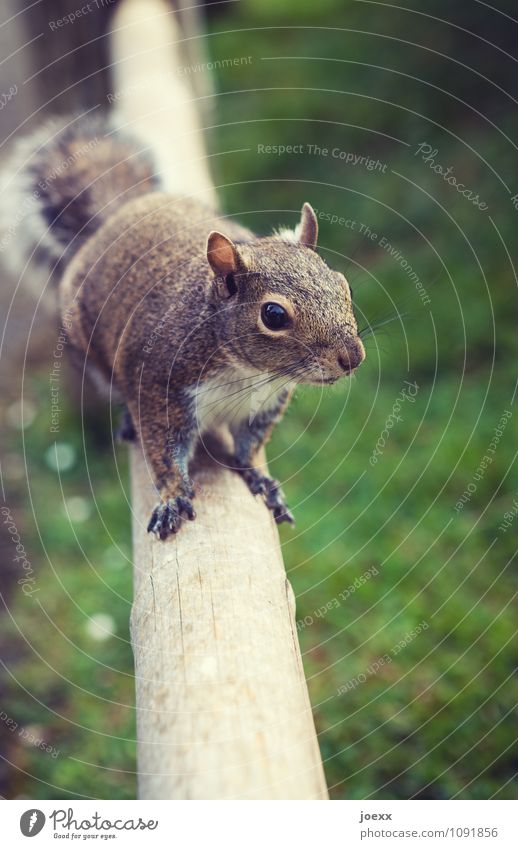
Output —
(222, 703)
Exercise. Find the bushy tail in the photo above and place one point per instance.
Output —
(153, 97)
(64, 181)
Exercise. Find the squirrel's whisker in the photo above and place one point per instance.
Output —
(200, 385)
(242, 389)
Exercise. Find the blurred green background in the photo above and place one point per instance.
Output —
(435, 718)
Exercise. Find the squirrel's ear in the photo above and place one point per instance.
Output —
(224, 260)
(222, 254)
(307, 230)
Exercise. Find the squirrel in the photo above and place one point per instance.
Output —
(190, 320)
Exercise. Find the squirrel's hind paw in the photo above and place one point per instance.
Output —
(168, 515)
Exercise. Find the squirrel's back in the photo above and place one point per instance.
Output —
(151, 254)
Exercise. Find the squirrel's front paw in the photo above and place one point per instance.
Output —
(168, 515)
(273, 495)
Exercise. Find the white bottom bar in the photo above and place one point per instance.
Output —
(256, 825)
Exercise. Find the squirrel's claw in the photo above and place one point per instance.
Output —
(282, 514)
(273, 495)
(166, 518)
(276, 503)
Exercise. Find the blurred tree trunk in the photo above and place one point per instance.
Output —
(70, 60)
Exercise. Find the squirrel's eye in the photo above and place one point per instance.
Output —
(274, 316)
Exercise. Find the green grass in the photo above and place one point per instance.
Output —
(436, 720)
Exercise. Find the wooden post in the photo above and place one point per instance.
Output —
(222, 703)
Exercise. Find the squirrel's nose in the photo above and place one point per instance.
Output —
(352, 356)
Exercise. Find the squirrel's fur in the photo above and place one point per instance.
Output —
(69, 181)
(169, 313)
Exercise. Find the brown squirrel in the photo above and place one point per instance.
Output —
(190, 320)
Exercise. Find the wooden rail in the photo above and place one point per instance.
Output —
(222, 703)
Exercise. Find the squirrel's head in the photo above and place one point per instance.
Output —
(281, 308)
